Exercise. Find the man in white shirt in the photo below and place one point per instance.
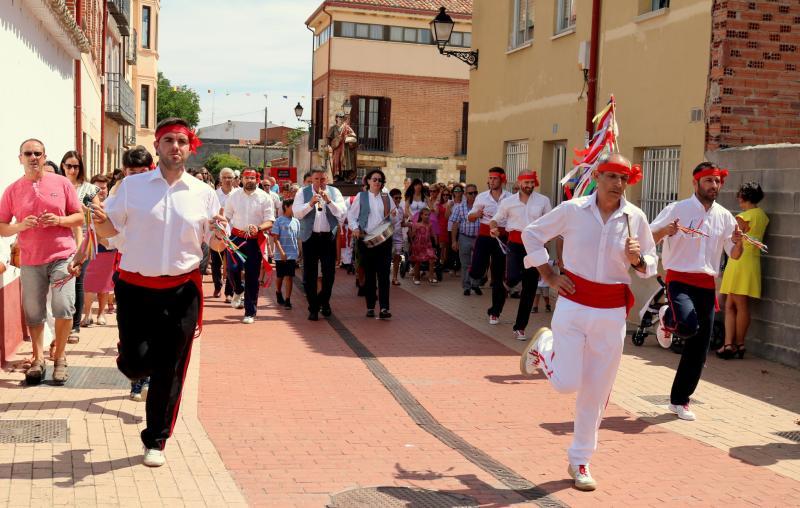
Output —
(217, 275)
(692, 258)
(250, 212)
(487, 252)
(369, 209)
(517, 212)
(268, 187)
(319, 208)
(159, 292)
(604, 236)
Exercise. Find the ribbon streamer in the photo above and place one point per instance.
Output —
(759, 245)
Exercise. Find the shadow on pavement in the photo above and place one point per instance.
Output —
(90, 406)
(766, 455)
(515, 379)
(622, 424)
(70, 465)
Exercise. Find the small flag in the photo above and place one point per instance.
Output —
(285, 96)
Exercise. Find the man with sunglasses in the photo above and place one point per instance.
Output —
(463, 234)
(370, 209)
(46, 208)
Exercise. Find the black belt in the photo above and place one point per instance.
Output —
(469, 236)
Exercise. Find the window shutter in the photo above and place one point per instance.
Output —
(354, 110)
(385, 112)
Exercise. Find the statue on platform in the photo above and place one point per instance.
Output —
(342, 149)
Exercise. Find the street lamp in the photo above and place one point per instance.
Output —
(298, 112)
(347, 107)
(442, 29)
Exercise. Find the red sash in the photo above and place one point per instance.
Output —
(485, 230)
(599, 295)
(261, 238)
(169, 282)
(515, 237)
(698, 280)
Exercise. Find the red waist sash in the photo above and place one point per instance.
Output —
(515, 237)
(700, 280)
(169, 282)
(485, 230)
(261, 238)
(599, 295)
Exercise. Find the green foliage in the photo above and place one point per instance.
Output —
(294, 135)
(180, 101)
(216, 162)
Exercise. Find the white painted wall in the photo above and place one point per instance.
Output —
(38, 99)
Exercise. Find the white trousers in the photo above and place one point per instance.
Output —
(583, 357)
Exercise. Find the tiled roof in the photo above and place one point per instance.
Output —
(452, 6)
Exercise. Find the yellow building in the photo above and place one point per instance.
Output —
(529, 95)
(145, 14)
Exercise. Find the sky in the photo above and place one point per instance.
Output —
(241, 50)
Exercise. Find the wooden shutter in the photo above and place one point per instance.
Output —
(385, 124)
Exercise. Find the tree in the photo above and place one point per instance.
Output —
(216, 162)
(293, 136)
(180, 101)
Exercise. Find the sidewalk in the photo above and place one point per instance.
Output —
(284, 413)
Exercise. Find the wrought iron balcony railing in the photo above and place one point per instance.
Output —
(119, 99)
(121, 11)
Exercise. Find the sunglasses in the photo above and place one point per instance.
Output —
(72, 166)
(35, 154)
(379, 180)
(457, 191)
(472, 193)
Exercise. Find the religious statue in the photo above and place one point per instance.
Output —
(342, 149)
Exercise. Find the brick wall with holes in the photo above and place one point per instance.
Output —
(754, 78)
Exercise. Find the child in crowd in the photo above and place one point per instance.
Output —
(285, 231)
(543, 290)
(423, 240)
(397, 238)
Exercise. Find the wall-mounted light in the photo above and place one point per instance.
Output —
(442, 29)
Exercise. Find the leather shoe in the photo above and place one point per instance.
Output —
(217, 293)
(384, 314)
(371, 313)
(326, 311)
(313, 316)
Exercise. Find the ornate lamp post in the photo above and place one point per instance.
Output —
(442, 29)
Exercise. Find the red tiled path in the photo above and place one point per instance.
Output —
(308, 419)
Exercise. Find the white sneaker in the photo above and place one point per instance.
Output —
(249, 320)
(519, 334)
(683, 412)
(664, 337)
(582, 476)
(530, 360)
(154, 457)
(493, 320)
(238, 301)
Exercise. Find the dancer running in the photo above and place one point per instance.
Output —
(487, 252)
(160, 290)
(604, 236)
(695, 231)
(517, 212)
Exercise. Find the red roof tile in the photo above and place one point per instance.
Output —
(452, 6)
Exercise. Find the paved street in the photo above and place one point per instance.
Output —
(287, 412)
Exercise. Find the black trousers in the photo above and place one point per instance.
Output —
(217, 258)
(377, 264)
(156, 330)
(319, 248)
(516, 272)
(252, 272)
(690, 315)
(79, 298)
(487, 254)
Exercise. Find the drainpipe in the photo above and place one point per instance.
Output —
(78, 100)
(594, 48)
(330, 46)
(311, 106)
(103, 91)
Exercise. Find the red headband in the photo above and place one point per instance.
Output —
(501, 176)
(252, 172)
(721, 173)
(194, 141)
(529, 176)
(634, 172)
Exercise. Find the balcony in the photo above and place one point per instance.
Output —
(131, 45)
(374, 138)
(119, 99)
(121, 11)
(461, 142)
(129, 136)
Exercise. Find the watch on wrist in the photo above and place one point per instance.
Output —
(640, 263)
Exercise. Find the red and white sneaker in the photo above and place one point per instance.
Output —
(531, 360)
(582, 476)
(683, 412)
(519, 334)
(662, 334)
(493, 320)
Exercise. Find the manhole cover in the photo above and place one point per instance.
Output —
(663, 400)
(34, 431)
(399, 497)
(791, 435)
(96, 378)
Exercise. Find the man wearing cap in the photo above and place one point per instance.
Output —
(517, 212)
(604, 237)
(159, 292)
(250, 211)
(488, 252)
(695, 231)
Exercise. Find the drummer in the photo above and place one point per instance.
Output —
(368, 218)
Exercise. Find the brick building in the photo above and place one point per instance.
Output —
(409, 103)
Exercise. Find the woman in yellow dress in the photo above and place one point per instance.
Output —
(742, 278)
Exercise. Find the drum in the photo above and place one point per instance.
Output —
(379, 234)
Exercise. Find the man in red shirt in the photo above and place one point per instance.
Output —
(46, 208)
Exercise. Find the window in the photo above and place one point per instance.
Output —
(410, 35)
(652, 5)
(565, 19)
(391, 33)
(362, 31)
(559, 171)
(347, 29)
(396, 33)
(426, 175)
(370, 119)
(376, 32)
(521, 23)
(661, 168)
(146, 27)
(144, 107)
(322, 37)
(516, 159)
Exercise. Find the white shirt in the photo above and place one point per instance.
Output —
(243, 209)
(516, 215)
(162, 226)
(276, 201)
(685, 252)
(486, 202)
(376, 212)
(321, 225)
(592, 250)
(223, 197)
